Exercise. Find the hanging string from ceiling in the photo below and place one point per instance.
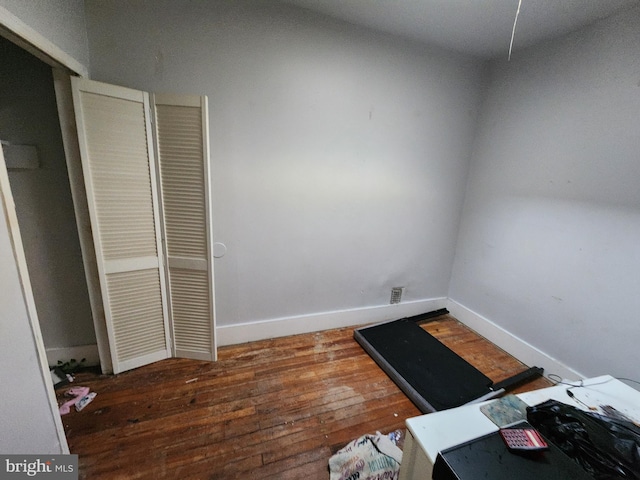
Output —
(513, 31)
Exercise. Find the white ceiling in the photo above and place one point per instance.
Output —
(477, 27)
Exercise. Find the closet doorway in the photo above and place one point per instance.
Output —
(187, 305)
(37, 172)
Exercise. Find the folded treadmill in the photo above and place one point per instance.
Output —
(429, 373)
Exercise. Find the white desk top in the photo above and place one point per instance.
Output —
(440, 430)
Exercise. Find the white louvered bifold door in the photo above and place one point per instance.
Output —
(183, 156)
(114, 131)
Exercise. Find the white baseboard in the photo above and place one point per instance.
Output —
(64, 354)
(282, 327)
(523, 351)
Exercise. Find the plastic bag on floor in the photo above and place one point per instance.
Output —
(368, 457)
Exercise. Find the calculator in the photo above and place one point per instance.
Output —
(523, 439)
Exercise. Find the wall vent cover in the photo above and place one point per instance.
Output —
(396, 294)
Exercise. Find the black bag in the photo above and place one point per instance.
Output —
(606, 447)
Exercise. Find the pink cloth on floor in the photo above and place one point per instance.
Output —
(77, 393)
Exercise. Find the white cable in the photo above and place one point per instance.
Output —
(513, 31)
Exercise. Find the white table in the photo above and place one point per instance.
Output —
(429, 434)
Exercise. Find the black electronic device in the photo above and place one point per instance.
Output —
(489, 457)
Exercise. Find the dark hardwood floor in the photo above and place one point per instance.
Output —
(274, 409)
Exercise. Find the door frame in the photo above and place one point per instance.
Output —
(18, 32)
(68, 129)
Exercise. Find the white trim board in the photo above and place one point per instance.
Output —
(64, 354)
(282, 327)
(523, 351)
(35, 43)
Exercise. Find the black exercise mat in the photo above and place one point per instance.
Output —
(429, 373)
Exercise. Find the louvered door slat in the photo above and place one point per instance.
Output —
(191, 310)
(114, 130)
(117, 148)
(183, 159)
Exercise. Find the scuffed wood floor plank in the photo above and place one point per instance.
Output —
(274, 409)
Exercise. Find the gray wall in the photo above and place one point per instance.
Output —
(339, 155)
(549, 245)
(29, 116)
